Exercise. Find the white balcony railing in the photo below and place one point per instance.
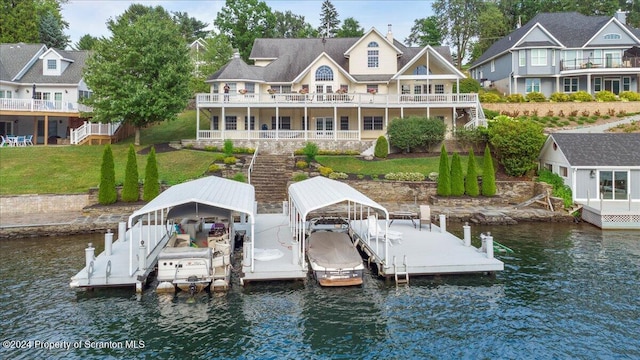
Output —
(41, 105)
(341, 135)
(208, 100)
(88, 129)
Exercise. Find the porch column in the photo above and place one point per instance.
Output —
(359, 122)
(248, 123)
(305, 122)
(197, 123)
(589, 85)
(335, 123)
(221, 123)
(558, 85)
(46, 129)
(35, 130)
(277, 121)
(386, 118)
(401, 111)
(455, 118)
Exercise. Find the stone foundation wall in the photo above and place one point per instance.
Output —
(284, 146)
(26, 204)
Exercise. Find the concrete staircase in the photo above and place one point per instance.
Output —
(270, 176)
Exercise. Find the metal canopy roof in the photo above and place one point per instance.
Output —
(205, 194)
(318, 192)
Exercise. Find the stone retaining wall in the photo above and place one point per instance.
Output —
(27, 204)
(565, 107)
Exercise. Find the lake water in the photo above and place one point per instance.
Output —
(568, 291)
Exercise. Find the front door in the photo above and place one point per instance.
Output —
(324, 127)
(612, 85)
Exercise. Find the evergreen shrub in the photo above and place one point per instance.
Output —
(444, 177)
(381, 150)
(457, 178)
(151, 187)
(130, 189)
(107, 189)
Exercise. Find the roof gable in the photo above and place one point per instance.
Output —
(17, 59)
(448, 65)
(316, 61)
(367, 37)
(613, 26)
(537, 36)
(601, 150)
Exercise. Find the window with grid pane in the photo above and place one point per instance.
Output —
(372, 55)
(324, 73)
(571, 85)
(372, 123)
(51, 64)
(283, 124)
(230, 123)
(344, 123)
(538, 57)
(439, 88)
(253, 123)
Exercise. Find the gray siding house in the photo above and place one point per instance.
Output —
(563, 52)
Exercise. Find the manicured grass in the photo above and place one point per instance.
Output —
(424, 165)
(75, 169)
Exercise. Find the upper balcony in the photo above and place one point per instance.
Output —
(591, 64)
(335, 99)
(47, 106)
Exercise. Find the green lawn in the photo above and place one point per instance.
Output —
(424, 165)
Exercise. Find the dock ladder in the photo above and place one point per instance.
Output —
(401, 277)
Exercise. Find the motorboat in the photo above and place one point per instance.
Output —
(334, 258)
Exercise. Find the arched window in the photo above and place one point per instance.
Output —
(612, 36)
(324, 73)
(420, 70)
(373, 55)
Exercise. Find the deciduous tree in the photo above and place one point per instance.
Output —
(17, 22)
(517, 143)
(86, 42)
(243, 21)
(350, 28)
(458, 22)
(290, 25)
(425, 32)
(140, 75)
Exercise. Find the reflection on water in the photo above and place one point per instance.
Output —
(568, 291)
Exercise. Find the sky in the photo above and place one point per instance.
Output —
(90, 16)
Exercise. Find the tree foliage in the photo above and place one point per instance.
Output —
(86, 42)
(140, 75)
(329, 21)
(130, 189)
(457, 177)
(190, 28)
(467, 86)
(488, 174)
(444, 175)
(414, 132)
(350, 28)
(243, 21)
(107, 189)
(471, 180)
(151, 182)
(492, 26)
(51, 31)
(381, 150)
(425, 32)
(33, 21)
(517, 143)
(290, 25)
(217, 52)
(458, 22)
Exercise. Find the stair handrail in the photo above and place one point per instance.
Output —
(253, 160)
(87, 129)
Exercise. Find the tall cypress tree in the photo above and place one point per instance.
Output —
(488, 174)
(444, 178)
(130, 190)
(457, 178)
(471, 181)
(151, 184)
(107, 189)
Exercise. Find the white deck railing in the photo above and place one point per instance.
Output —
(295, 99)
(41, 105)
(87, 129)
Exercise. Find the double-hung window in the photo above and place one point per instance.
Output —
(372, 123)
(571, 85)
(373, 55)
(532, 85)
(538, 57)
(522, 58)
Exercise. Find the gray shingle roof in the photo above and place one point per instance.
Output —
(608, 149)
(14, 57)
(293, 56)
(572, 29)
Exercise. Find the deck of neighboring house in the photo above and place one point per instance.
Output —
(612, 214)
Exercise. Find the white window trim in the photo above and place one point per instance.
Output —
(522, 58)
(541, 59)
(493, 65)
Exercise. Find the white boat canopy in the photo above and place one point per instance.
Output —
(202, 198)
(319, 192)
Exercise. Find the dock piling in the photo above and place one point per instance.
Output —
(443, 223)
(142, 256)
(467, 234)
(89, 254)
(108, 242)
(489, 240)
(122, 231)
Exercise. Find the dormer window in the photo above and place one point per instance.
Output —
(373, 55)
(612, 36)
(324, 73)
(52, 64)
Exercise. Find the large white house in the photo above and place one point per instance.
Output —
(332, 90)
(39, 91)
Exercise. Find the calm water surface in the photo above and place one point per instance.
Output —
(567, 292)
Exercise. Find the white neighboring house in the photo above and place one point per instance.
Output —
(39, 91)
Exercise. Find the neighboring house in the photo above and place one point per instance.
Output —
(196, 50)
(332, 90)
(598, 167)
(39, 91)
(563, 52)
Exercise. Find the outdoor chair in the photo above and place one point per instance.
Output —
(425, 216)
(28, 140)
(4, 141)
(376, 232)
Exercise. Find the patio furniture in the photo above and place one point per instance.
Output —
(405, 215)
(28, 140)
(376, 232)
(4, 142)
(425, 216)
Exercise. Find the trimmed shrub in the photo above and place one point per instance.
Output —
(414, 131)
(239, 177)
(299, 177)
(405, 176)
(213, 168)
(457, 178)
(559, 97)
(310, 150)
(325, 170)
(606, 95)
(151, 187)
(301, 164)
(490, 114)
(471, 181)
(130, 189)
(444, 177)
(630, 96)
(230, 160)
(381, 150)
(536, 97)
(488, 174)
(338, 175)
(581, 96)
(467, 86)
(517, 143)
(218, 157)
(490, 97)
(515, 98)
(107, 189)
(227, 148)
